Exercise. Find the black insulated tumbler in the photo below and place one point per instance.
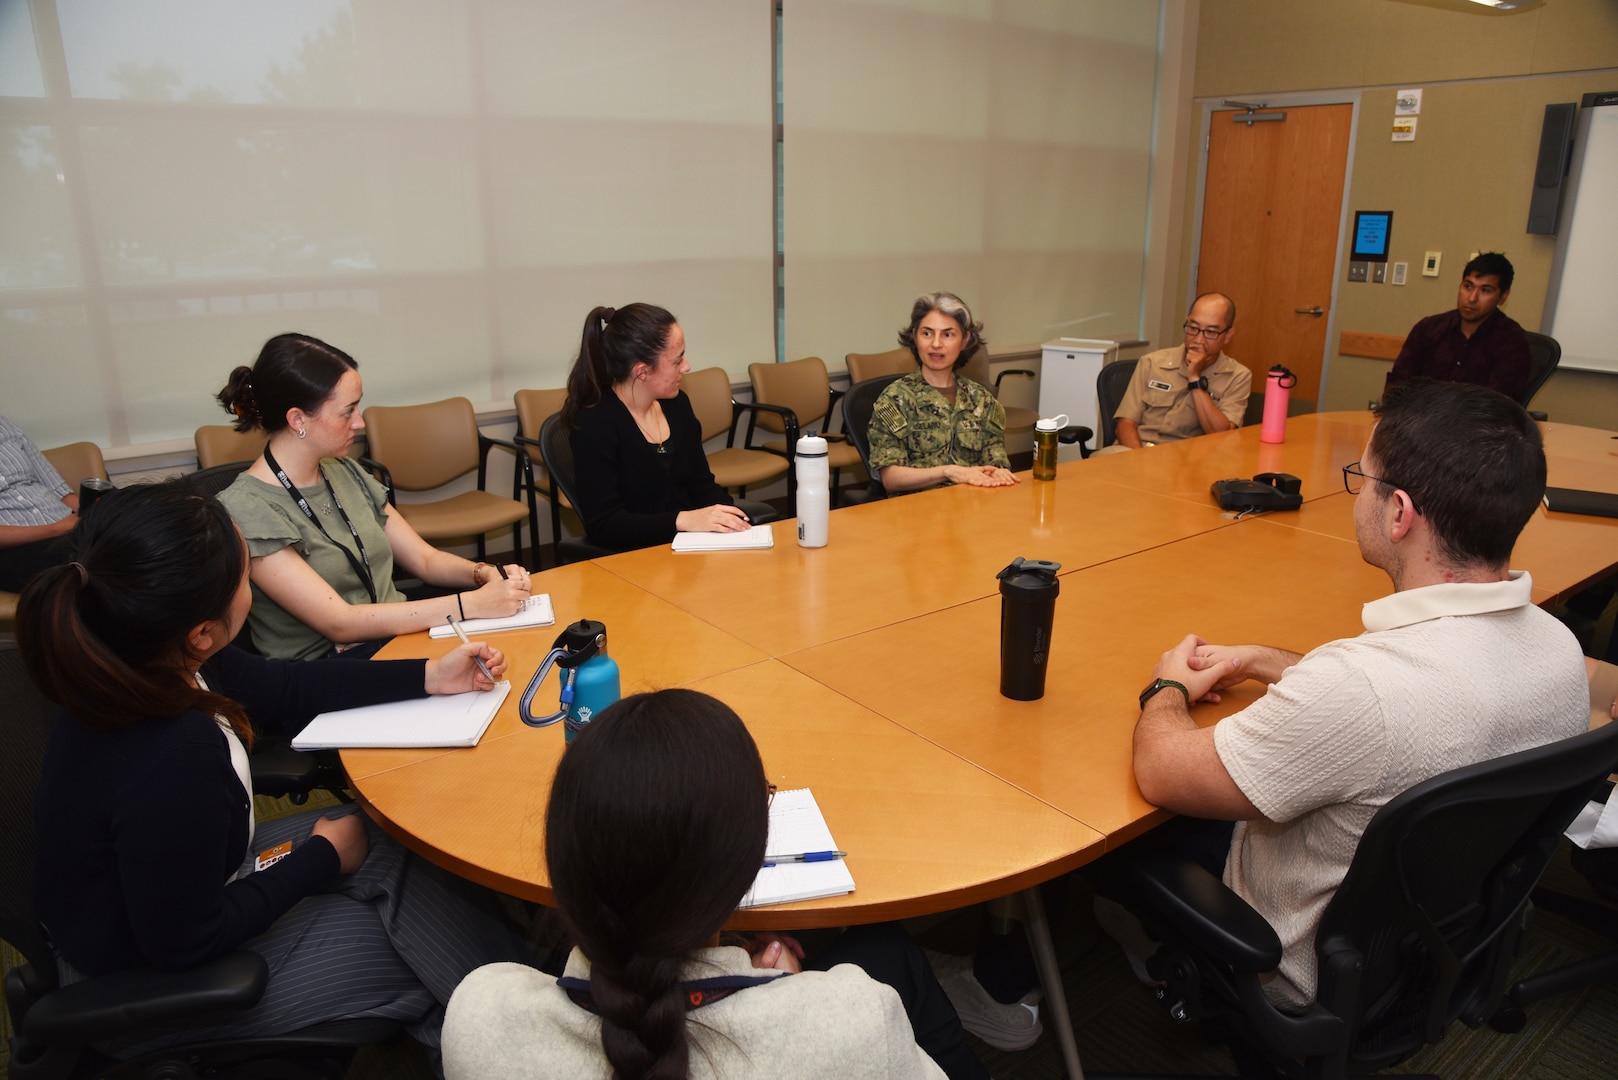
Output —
(1028, 589)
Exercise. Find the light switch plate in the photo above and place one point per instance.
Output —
(1429, 265)
(1399, 272)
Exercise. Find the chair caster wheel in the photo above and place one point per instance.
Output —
(1509, 1018)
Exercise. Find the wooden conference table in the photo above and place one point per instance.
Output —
(868, 670)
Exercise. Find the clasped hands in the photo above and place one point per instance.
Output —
(1203, 667)
(981, 475)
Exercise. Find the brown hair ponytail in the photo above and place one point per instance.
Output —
(613, 342)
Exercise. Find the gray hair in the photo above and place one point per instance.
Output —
(948, 304)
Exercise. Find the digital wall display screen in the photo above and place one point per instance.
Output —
(1371, 229)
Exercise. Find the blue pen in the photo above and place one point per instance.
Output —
(807, 856)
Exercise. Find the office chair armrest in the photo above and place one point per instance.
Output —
(1012, 371)
(1178, 893)
(108, 1006)
(485, 444)
(1075, 433)
(280, 770)
(382, 474)
(832, 413)
(789, 420)
(1541, 417)
(751, 409)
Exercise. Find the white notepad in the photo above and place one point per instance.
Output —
(759, 536)
(535, 611)
(796, 826)
(441, 720)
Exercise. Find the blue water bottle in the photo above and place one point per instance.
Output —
(587, 678)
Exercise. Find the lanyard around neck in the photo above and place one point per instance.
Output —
(364, 572)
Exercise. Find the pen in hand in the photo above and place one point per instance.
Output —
(478, 660)
(807, 856)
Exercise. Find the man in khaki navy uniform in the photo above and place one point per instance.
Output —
(1192, 389)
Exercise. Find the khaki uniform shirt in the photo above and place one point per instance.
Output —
(913, 424)
(1168, 415)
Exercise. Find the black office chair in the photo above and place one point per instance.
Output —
(216, 478)
(857, 405)
(1255, 408)
(1600, 867)
(1111, 385)
(54, 1026)
(1421, 932)
(1544, 354)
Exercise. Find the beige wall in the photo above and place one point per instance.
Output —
(1464, 184)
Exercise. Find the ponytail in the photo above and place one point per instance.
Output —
(613, 342)
(105, 635)
(293, 371)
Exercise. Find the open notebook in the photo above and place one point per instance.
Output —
(535, 611)
(796, 826)
(444, 720)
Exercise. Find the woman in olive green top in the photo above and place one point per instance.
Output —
(321, 535)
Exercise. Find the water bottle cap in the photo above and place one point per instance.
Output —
(1055, 423)
(811, 446)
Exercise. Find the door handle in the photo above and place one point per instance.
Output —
(1316, 311)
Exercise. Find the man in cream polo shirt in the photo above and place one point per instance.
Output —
(1189, 390)
(1455, 667)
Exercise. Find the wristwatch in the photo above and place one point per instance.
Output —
(1200, 383)
(1159, 684)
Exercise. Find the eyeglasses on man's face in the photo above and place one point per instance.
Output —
(1354, 478)
(1207, 333)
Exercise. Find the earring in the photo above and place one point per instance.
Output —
(302, 433)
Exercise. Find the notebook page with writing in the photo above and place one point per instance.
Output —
(796, 826)
(535, 611)
(441, 720)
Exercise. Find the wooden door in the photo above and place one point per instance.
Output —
(1271, 208)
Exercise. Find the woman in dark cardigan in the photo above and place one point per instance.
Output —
(637, 446)
(148, 852)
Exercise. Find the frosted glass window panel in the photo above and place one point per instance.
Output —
(20, 74)
(389, 55)
(575, 193)
(37, 247)
(217, 201)
(725, 308)
(50, 384)
(409, 336)
(691, 61)
(1000, 150)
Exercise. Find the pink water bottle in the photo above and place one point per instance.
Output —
(1276, 392)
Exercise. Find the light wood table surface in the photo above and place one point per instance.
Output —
(869, 670)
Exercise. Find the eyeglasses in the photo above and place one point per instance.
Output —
(1208, 333)
(1353, 475)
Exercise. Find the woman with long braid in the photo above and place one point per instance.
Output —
(656, 828)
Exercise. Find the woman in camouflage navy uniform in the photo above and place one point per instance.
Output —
(933, 426)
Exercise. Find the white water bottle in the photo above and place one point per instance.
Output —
(814, 491)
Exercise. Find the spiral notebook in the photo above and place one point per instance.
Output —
(797, 825)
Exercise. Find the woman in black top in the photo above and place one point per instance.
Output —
(148, 852)
(637, 447)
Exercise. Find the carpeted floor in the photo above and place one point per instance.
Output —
(1121, 1028)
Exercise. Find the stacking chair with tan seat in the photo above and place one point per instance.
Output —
(422, 447)
(735, 468)
(221, 444)
(801, 388)
(863, 367)
(1019, 421)
(532, 479)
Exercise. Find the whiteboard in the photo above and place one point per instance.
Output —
(1578, 302)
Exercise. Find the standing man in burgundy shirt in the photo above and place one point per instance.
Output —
(1475, 343)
